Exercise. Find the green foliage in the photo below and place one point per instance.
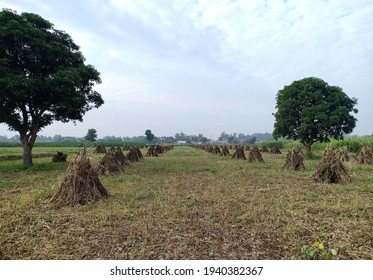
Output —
(149, 135)
(272, 143)
(91, 135)
(318, 251)
(236, 138)
(311, 111)
(43, 77)
(353, 144)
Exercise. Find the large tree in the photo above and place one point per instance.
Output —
(43, 77)
(310, 110)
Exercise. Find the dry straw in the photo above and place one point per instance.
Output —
(264, 149)
(294, 159)
(111, 163)
(152, 151)
(134, 154)
(224, 151)
(59, 157)
(81, 183)
(365, 155)
(100, 150)
(331, 169)
(255, 155)
(239, 153)
(275, 150)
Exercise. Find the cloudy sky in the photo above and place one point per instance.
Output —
(207, 66)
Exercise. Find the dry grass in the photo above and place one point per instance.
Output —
(188, 204)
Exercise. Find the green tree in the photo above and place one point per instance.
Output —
(310, 110)
(149, 135)
(43, 77)
(252, 140)
(91, 135)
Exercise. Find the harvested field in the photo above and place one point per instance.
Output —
(187, 204)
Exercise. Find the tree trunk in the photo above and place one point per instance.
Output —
(27, 150)
(308, 146)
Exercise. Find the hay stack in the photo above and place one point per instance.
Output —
(216, 150)
(294, 159)
(121, 157)
(365, 155)
(100, 150)
(59, 157)
(152, 151)
(239, 153)
(110, 163)
(139, 154)
(81, 183)
(255, 155)
(159, 149)
(209, 148)
(331, 169)
(342, 154)
(168, 148)
(134, 154)
(275, 150)
(224, 151)
(264, 149)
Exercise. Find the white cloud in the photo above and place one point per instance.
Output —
(219, 58)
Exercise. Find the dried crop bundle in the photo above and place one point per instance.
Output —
(365, 155)
(342, 154)
(152, 151)
(59, 157)
(275, 150)
(239, 153)
(255, 155)
(159, 149)
(100, 150)
(121, 157)
(81, 183)
(134, 154)
(216, 150)
(330, 169)
(264, 149)
(110, 163)
(224, 151)
(294, 159)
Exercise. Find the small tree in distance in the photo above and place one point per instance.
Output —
(149, 135)
(91, 135)
(310, 110)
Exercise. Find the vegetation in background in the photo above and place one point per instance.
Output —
(239, 138)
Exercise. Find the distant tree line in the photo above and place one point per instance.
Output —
(237, 138)
(126, 139)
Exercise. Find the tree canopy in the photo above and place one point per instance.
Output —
(149, 135)
(43, 77)
(91, 135)
(310, 110)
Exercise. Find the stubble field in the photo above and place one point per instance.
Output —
(186, 204)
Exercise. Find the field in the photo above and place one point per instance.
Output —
(186, 204)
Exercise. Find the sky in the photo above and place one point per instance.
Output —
(208, 66)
